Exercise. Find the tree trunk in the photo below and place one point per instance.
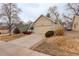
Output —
(10, 26)
(10, 30)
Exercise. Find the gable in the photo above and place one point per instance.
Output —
(75, 22)
(43, 21)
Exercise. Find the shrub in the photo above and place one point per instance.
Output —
(32, 28)
(16, 31)
(49, 33)
(59, 31)
(0, 32)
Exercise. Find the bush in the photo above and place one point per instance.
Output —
(32, 28)
(16, 31)
(0, 32)
(49, 33)
(59, 31)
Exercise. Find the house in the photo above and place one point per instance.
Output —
(75, 25)
(3, 30)
(44, 24)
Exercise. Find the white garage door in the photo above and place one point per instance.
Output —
(42, 30)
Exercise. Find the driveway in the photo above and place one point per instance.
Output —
(21, 46)
(13, 50)
(27, 41)
(74, 34)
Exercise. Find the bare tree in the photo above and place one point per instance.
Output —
(53, 11)
(10, 12)
(66, 17)
(48, 15)
(72, 9)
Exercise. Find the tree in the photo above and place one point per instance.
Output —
(72, 9)
(10, 12)
(67, 17)
(53, 13)
(16, 31)
(48, 15)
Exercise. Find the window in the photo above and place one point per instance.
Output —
(75, 25)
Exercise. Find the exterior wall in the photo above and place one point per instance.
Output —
(76, 24)
(44, 29)
(43, 25)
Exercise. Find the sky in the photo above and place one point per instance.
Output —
(31, 11)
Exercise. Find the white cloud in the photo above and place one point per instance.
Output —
(33, 10)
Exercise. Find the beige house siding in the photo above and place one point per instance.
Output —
(43, 24)
(76, 24)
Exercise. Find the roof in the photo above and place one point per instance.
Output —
(44, 17)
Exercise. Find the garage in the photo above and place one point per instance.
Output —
(44, 24)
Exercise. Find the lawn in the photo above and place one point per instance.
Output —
(59, 46)
(12, 37)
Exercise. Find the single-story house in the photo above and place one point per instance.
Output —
(3, 30)
(44, 24)
(75, 25)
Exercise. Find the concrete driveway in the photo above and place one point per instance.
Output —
(13, 50)
(20, 47)
(27, 41)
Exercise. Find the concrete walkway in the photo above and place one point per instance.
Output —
(20, 47)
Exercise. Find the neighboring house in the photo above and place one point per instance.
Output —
(3, 30)
(75, 25)
(44, 24)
